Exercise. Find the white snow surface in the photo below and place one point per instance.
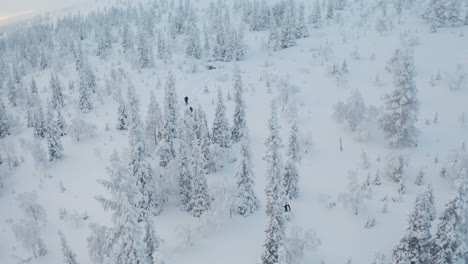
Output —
(323, 169)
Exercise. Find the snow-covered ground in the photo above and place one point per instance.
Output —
(323, 169)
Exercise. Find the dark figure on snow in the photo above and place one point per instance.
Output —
(191, 109)
(287, 208)
(186, 100)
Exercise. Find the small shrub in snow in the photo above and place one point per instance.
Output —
(395, 166)
(458, 79)
(299, 241)
(79, 129)
(354, 115)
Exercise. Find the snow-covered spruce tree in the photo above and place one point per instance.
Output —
(184, 178)
(154, 121)
(4, 122)
(68, 256)
(454, 13)
(200, 199)
(450, 244)
(221, 135)
(12, 92)
(151, 200)
(61, 123)
(31, 103)
(54, 144)
(124, 240)
(239, 125)
(301, 28)
(330, 10)
(144, 50)
(436, 14)
(316, 16)
(85, 91)
(201, 130)
(57, 94)
(274, 190)
(291, 174)
(122, 115)
(39, 123)
(169, 129)
(171, 107)
(380, 259)
(127, 41)
(274, 42)
(193, 48)
(240, 48)
(246, 200)
(401, 105)
(151, 243)
(288, 37)
(415, 245)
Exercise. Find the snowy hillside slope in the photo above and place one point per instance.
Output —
(298, 80)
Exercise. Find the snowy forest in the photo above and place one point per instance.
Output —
(236, 131)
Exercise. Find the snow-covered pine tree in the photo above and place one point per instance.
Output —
(68, 256)
(291, 174)
(221, 131)
(200, 202)
(54, 144)
(450, 244)
(57, 91)
(246, 200)
(154, 121)
(122, 114)
(419, 178)
(151, 199)
(239, 124)
(415, 245)
(4, 122)
(401, 105)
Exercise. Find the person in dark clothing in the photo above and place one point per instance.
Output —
(191, 109)
(186, 100)
(287, 208)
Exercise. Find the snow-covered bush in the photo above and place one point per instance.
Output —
(299, 241)
(456, 165)
(354, 115)
(354, 197)
(97, 243)
(27, 232)
(395, 166)
(79, 129)
(457, 80)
